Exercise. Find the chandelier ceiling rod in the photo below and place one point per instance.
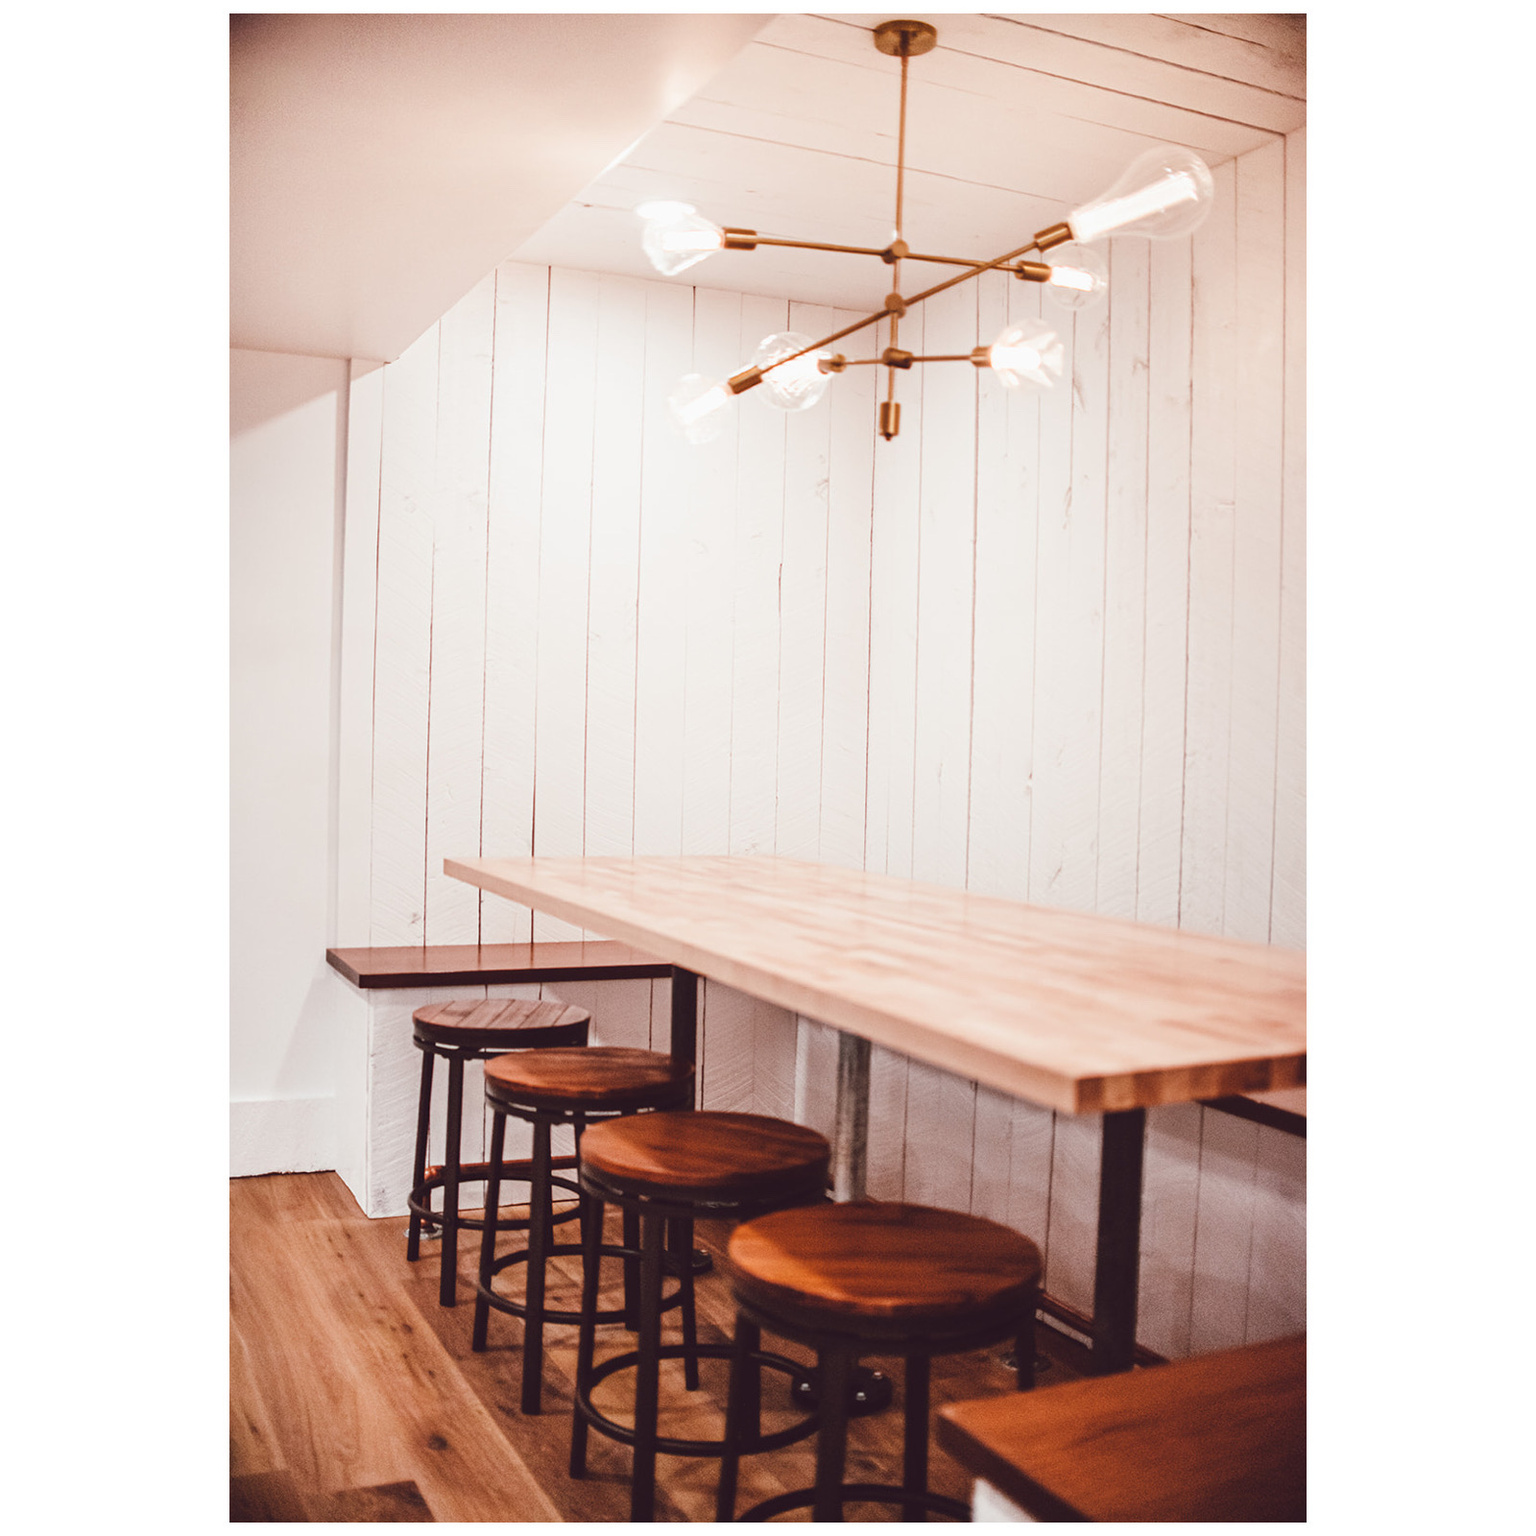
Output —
(1164, 193)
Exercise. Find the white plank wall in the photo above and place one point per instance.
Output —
(1047, 648)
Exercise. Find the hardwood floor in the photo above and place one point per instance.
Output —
(355, 1397)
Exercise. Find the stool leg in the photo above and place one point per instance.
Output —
(740, 1406)
(488, 1235)
(914, 1464)
(1024, 1350)
(631, 1239)
(448, 1277)
(682, 1249)
(538, 1249)
(642, 1487)
(419, 1166)
(591, 1265)
(834, 1374)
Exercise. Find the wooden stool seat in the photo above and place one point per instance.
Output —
(517, 1025)
(605, 1079)
(721, 1156)
(883, 1269)
(466, 1030)
(862, 1278)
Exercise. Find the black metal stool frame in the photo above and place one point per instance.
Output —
(453, 1173)
(837, 1354)
(655, 1208)
(541, 1247)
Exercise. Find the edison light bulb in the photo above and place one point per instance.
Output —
(1163, 193)
(1078, 276)
(699, 407)
(1027, 356)
(675, 237)
(795, 386)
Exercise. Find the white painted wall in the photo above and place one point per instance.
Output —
(1049, 649)
(287, 443)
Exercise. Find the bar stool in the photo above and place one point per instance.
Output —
(547, 1088)
(470, 1030)
(866, 1278)
(678, 1167)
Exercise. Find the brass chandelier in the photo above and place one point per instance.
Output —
(1164, 193)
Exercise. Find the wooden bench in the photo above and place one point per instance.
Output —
(460, 965)
(1219, 1437)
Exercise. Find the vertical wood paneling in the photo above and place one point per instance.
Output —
(403, 648)
(803, 613)
(512, 580)
(1125, 582)
(1072, 1221)
(1069, 621)
(1160, 822)
(709, 574)
(1288, 915)
(893, 627)
(1213, 492)
(941, 1117)
(1011, 1163)
(1002, 678)
(945, 595)
(1171, 1181)
(1223, 1232)
(565, 530)
(760, 449)
(845, 708)
(456, 701)
(1277, 1261)
(889, 1102)
(661, 639)
(613, 572)
(1256, 542)
(359, 597)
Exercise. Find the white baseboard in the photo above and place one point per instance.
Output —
(282, 1136)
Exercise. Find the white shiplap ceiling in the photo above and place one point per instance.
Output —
(1012, 121)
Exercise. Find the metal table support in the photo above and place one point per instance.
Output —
(1116, 1267)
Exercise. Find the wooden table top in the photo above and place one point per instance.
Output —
(1219, 1437)
(1076, 1012)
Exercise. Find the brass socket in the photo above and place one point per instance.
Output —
(890, 418)
(894, 357)
(982, 356)
(834, 364)
(739, 383)
(1055, 234)
(895, 304)
(897, 250)
(740, 239)
(1033, 272)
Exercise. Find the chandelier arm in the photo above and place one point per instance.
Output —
(885, 254)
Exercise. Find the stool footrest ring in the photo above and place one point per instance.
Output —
(419, 1203)
(563, 1314)
(670, 1445)
(865, 1493)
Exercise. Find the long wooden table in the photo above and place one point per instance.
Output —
(1079, 1013)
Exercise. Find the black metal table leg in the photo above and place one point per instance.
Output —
(684, 1046)
(1117, 1264)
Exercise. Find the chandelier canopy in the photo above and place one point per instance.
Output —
(1163, 193)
